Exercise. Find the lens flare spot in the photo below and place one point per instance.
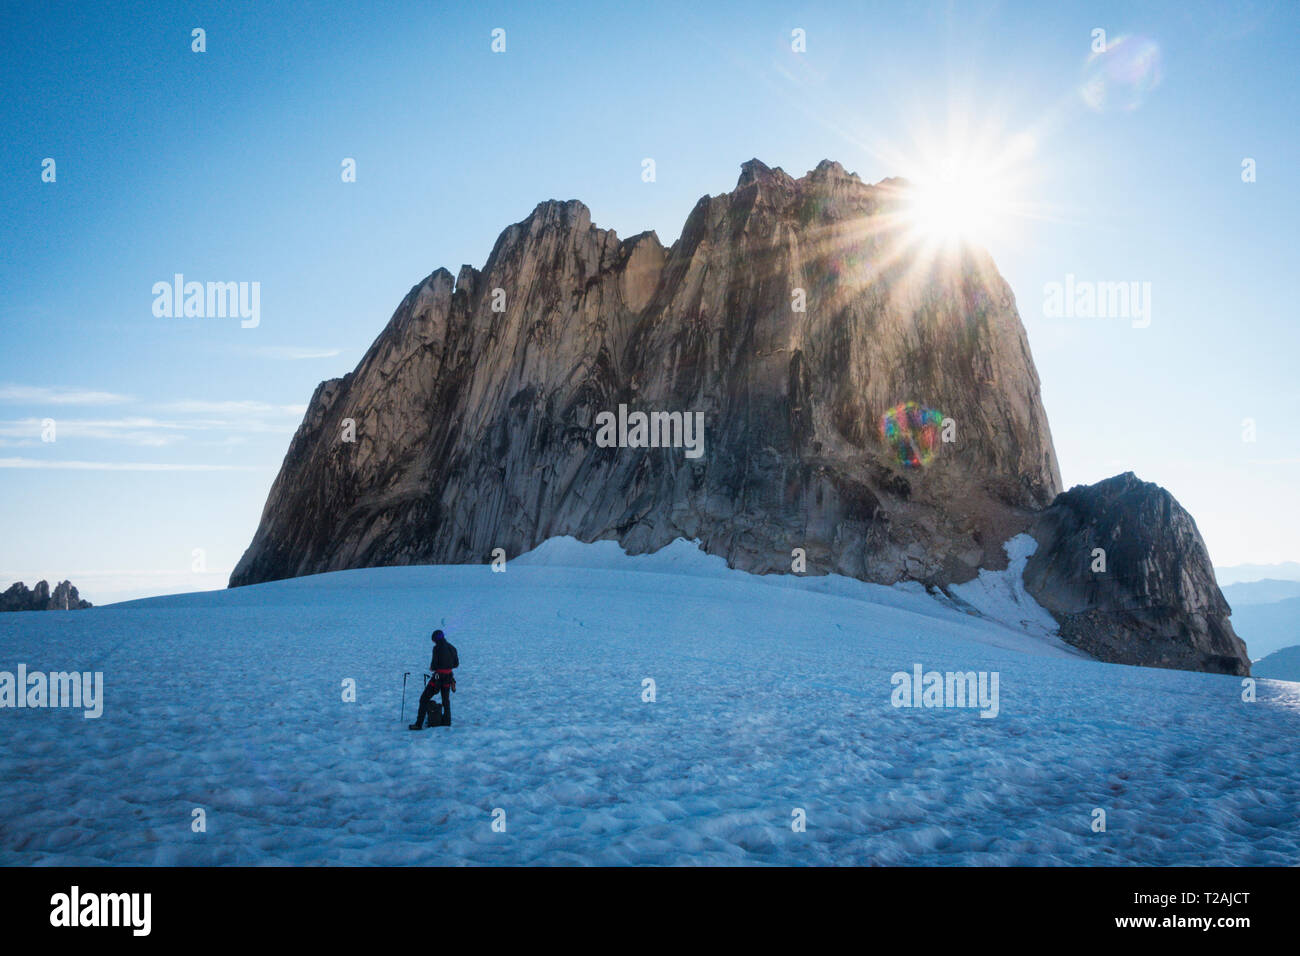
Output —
(911, 431)
(1123, 76)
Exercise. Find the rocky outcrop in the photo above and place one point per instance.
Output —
(39, 598)
(864, 398)
(790, 313)
(1123, 568)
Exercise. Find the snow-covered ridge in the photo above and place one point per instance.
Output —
(994, 608)
(998, 597)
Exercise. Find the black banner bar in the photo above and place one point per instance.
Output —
(334, 905)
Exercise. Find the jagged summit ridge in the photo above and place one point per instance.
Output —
(64, 597)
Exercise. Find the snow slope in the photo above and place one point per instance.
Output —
(773, 695)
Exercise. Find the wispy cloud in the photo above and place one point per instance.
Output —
(34, 463)
(147, 432)
(40, 395)
(233, 408)
(176, 423)
(292, 353)
(131, 431)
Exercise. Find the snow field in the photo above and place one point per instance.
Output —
(773, 694)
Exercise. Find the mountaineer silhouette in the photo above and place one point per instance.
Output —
(441, 680)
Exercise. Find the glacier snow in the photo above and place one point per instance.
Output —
(772, 696)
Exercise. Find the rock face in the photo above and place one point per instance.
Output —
(1156, 603)
(39, 598)
(862, 399)
(476, 429)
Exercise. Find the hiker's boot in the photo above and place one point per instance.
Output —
(420, 716)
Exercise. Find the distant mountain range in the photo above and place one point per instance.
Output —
(1280, 665)
(1260, 592)
(1239, 573)
(1265, 614)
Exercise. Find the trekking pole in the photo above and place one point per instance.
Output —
(403, 717)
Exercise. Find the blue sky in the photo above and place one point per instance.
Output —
(225, 165)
